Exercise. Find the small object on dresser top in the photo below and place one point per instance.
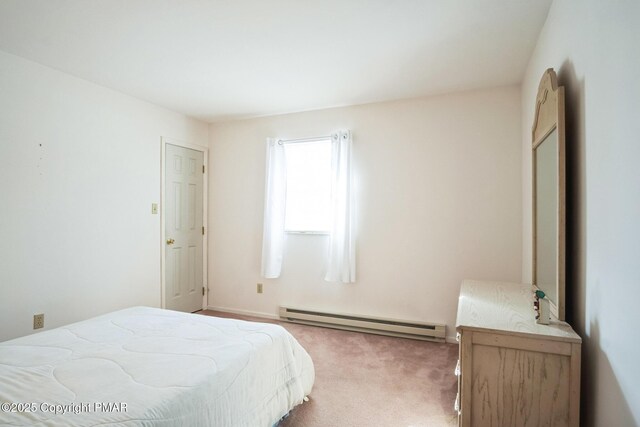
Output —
(544, 311)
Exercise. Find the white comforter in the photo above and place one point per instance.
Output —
(152, 367)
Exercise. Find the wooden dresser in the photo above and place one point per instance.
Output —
(511, 370)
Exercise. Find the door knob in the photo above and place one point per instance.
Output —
(170, 241)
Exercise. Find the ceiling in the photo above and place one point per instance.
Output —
(217, 60)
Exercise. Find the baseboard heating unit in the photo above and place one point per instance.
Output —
(373, 325)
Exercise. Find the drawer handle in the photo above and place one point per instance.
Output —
(458, 336)
(457, 371)
(456, 406)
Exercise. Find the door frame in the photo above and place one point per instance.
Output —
(205, 205)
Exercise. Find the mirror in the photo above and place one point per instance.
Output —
(548, 214)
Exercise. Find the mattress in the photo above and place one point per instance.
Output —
(153, 367)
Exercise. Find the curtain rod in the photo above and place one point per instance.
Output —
(312, 139)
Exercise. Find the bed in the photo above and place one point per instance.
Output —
(153, 367)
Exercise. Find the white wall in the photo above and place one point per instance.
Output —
(593, 46)
(80, 169)
(439, 200)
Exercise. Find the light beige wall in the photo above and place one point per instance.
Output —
(80, 169)
(593, 47)
(439, 200)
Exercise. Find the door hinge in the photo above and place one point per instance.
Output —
(203, 290)
(203, 230)
(202, 168)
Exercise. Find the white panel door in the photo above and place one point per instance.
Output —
(183, 228)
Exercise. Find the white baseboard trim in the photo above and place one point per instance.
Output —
(244, 312)
(451, 340)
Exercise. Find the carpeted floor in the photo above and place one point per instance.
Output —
(365, 380)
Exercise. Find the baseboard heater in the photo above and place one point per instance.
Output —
(373, 325)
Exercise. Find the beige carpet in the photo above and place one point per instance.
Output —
(365, 380)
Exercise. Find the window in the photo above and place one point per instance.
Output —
(300, 179)
(308, 200)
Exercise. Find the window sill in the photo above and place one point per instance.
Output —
(313, 233)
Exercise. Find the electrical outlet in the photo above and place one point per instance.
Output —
(259, 290)
(38, 321)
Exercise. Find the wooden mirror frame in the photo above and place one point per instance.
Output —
(549, 116)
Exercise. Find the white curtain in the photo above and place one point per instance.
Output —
(342, 249)
(274, 210)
